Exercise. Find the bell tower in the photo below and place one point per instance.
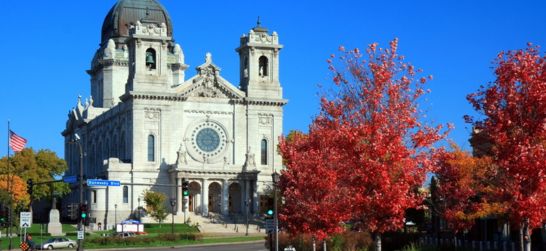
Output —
(259, 63)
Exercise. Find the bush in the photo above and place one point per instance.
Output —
(139, 240)
(347, 241)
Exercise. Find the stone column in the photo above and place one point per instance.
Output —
(243, 197)
(205, 198)
(179, 197)
(247, 197)
(225, 197)
(256, 199)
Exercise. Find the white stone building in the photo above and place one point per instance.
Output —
(149, 127)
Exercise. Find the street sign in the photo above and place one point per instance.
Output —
(25, 219)
(80, 235)
(103, 183)
(70, 179)
(269, 225)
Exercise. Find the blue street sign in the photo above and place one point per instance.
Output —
(70, 179)
(103, 183)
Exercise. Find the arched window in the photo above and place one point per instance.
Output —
(151, 59)
(151, 148)
(94, 196)
(264, 66)
(125, 194)
(264, 152)
(245, 69)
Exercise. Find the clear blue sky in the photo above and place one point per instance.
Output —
(47, 46)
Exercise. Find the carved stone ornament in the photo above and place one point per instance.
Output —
(152, 113)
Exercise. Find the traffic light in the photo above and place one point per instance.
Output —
(84, 214)
(270, 212)
(72, 211)
(185, 188)
(30, 186)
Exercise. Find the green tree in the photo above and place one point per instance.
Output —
(155, 204)
(41, 166)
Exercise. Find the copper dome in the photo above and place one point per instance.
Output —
(127, 12)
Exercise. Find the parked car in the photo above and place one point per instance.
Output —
(60, 242)
(126, 234)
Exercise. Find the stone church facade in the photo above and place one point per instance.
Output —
(149, 127)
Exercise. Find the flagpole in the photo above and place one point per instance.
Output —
(10, 195)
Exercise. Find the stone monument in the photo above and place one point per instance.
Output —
(54, 226)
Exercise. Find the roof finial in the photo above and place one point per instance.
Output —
(258, 23)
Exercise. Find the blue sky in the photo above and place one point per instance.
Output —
(48, 45)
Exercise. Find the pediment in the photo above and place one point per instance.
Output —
(209, 84)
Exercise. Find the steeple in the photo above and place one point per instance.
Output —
(259, 63)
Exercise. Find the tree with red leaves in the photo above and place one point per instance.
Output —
(367, 152)
(514, 110)
(468, 189)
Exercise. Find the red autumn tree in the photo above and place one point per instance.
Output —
(514, 110)
(310, 185)
(468, 189)
(368, 144)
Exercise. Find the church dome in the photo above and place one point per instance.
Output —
(127, 12)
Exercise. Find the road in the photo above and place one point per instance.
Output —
(258, 246)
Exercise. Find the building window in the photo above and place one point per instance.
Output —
(263, 70)
(151, 148)
(94, 193)
(264, 152)
(150, 59)
(125, 194)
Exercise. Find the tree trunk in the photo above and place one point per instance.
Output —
(324, 245)
(526, 236)
(378, 242)
(521, 237)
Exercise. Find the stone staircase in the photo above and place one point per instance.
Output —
(217, 224)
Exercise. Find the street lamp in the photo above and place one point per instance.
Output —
(173, 203)
(138, 210)
(77, 140)
(116, 217)
(247, 202)
(276, 178)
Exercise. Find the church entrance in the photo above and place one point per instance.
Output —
(235, 198)
(195, 197)
(215, 197)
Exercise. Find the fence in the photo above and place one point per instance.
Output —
(468, 244)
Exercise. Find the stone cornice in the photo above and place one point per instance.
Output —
(174, 97)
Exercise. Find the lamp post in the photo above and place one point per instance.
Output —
(247, 202)
(138, 210)
(173, 203)
(77, 140)
(276, 178)
(116, 217)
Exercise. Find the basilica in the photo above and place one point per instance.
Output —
(149, 126)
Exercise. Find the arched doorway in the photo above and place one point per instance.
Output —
(195, 197)
(215, 197)
(234, 198)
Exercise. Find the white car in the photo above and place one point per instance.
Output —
(59, 242)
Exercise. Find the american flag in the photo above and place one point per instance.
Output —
(16, 142)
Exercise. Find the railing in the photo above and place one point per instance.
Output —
(469, 244)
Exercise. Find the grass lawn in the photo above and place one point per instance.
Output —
(151, 229)
(206, 240)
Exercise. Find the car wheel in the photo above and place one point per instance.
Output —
(70, 246)
(50, 247)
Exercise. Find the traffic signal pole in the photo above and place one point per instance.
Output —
(80, 223)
